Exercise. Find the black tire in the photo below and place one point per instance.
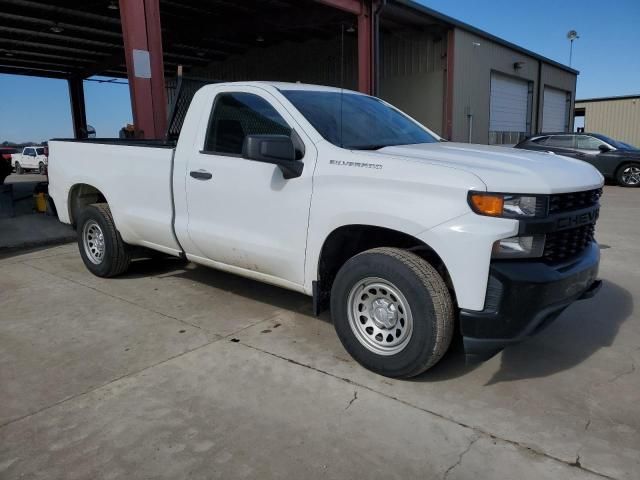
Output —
(116, 255)
(19, 169)
(428, 298)
(623, 177)
(41, 168)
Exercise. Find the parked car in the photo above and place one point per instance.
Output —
(5, 162)
(617, 161)
(31, 158)
(340, 196)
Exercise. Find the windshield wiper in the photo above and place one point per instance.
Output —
(367, 147)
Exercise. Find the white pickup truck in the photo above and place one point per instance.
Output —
(31, 158)
(340, 196)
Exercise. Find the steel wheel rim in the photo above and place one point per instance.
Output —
(380, 316)
(631, 175)
(93, 241)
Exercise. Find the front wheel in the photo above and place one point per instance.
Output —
(101, 247)
(629, 175)
(19, 169)
(392, 312)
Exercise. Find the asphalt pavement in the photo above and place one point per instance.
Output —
(178, 371)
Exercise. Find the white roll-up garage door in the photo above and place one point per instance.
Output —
(555, 114)
(509, 104)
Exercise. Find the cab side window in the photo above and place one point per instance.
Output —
(586, 142)
(236, 115)
(560, 141)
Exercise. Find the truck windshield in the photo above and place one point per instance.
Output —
(356, 122)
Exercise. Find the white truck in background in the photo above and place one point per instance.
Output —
(31, 158)
(340, 196)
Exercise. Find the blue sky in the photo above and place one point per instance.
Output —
(606, 55)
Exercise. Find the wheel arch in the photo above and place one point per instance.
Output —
(81, 195)
(348, 240)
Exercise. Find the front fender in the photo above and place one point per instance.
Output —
(401, 195)
(464, 244)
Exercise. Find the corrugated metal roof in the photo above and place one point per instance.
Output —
(605, 99)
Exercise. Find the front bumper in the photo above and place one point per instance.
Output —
(523, 297)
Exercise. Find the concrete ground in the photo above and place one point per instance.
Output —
(177, 371)
(26, 228)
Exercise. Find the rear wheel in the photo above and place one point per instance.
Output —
(101, 246)
(19, 169)
(392, 312)
(42, 169)
(629, 175)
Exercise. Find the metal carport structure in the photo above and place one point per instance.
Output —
(146, 40)
(420, 60)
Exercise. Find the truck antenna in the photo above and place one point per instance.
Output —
(341, 81)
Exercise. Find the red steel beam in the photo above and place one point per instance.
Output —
(363, 10)
(351, 6)
(365, 49)
(142, 38)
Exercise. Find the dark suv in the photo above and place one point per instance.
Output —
(615, 160)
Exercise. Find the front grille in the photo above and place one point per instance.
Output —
(565, 202)
(564, 244)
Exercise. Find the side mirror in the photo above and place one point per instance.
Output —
(604, 148)
(276, 149)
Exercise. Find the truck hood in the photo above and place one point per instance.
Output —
(504, 169)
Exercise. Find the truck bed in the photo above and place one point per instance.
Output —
(135, 177)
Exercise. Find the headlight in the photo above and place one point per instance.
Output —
(507, 205)
(530, 246)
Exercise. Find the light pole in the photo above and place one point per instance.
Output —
(571, 35)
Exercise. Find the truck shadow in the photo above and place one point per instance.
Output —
(252, 290)
(579, 332)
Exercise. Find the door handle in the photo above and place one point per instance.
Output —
(200, 174)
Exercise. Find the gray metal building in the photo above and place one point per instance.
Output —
(616, 117)
(462, 82)
(503, 93)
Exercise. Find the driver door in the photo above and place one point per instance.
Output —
(242, 213)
